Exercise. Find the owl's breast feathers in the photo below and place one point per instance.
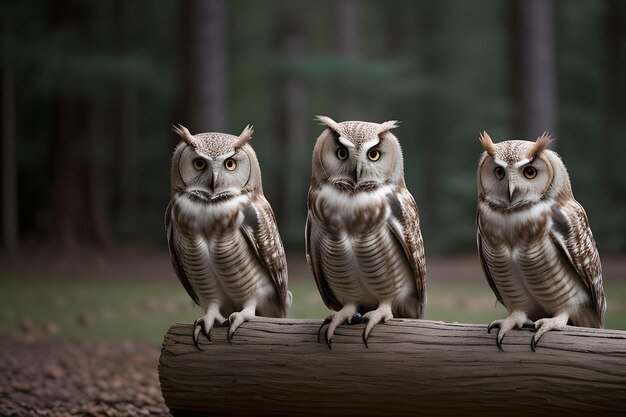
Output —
(354, 211)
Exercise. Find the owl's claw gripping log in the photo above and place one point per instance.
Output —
(516, 319)
(334, 320)
(545, 325)
(204, 324)
(381, 314)
(324, 323)
(198, 325)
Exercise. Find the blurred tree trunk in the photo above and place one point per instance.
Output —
(10, 229)
(76, 216)
(73, 216)
(432, 33)
(206, 89)
(533, 67)
(615, 87)
(126, 141)
(292, 116)
(348, 47)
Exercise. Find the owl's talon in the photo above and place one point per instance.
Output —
(494, 325)
(381, 314)
(533, 344)
(499, 341)
(237, 319)
(334, 320)
(324, 323)
(516, 319)
(196, 333)
(543, 326)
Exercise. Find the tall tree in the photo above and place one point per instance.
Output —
(77, 218)
(614, 88)
(431, 32)
(348, 47)
(206, 90)
(10, 230)
(292, 115)
(126, 141)
(533, 67)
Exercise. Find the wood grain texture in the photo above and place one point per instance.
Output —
(412, 368)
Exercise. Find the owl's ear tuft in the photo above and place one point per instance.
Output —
(540, 145)
(487, 143)
(244, 137)
(329, 123)
(388, 125)
(184, 134)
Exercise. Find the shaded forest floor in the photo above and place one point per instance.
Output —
(61, 378)
(80, 333)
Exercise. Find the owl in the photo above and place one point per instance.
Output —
(537, 250)
(363, 240)
(222, 234)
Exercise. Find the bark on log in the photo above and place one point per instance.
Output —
(412, 368)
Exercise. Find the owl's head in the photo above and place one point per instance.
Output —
(215, 166)
(357, 155)
(518, 173)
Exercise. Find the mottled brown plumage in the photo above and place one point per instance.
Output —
(222, 234)
(534, 240)
(364, 244)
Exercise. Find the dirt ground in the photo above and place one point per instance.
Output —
(55, 378)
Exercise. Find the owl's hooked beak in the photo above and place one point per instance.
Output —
(357, 172)
(512, 190)
(213, 181)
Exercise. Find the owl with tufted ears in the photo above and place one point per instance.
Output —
(222, 234)
(537, 250)
(363, 240)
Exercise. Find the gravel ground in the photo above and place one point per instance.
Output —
(55, 378)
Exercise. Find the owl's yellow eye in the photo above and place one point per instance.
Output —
(530, 172)
(499, 172)
(199, 164)
(373, 154)
(342, 153)
(230, 164)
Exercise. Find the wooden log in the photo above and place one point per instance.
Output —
(411, 368)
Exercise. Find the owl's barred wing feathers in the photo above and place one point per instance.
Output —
(329, 298)
(572, 234)
(259, 228)
(485, 263)
(180, 271)
(404, 224)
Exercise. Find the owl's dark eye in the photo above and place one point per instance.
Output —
(499, 172)
(373, 154)
(530, 172)
(230, 164)
(199, 164)
(342, 153)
